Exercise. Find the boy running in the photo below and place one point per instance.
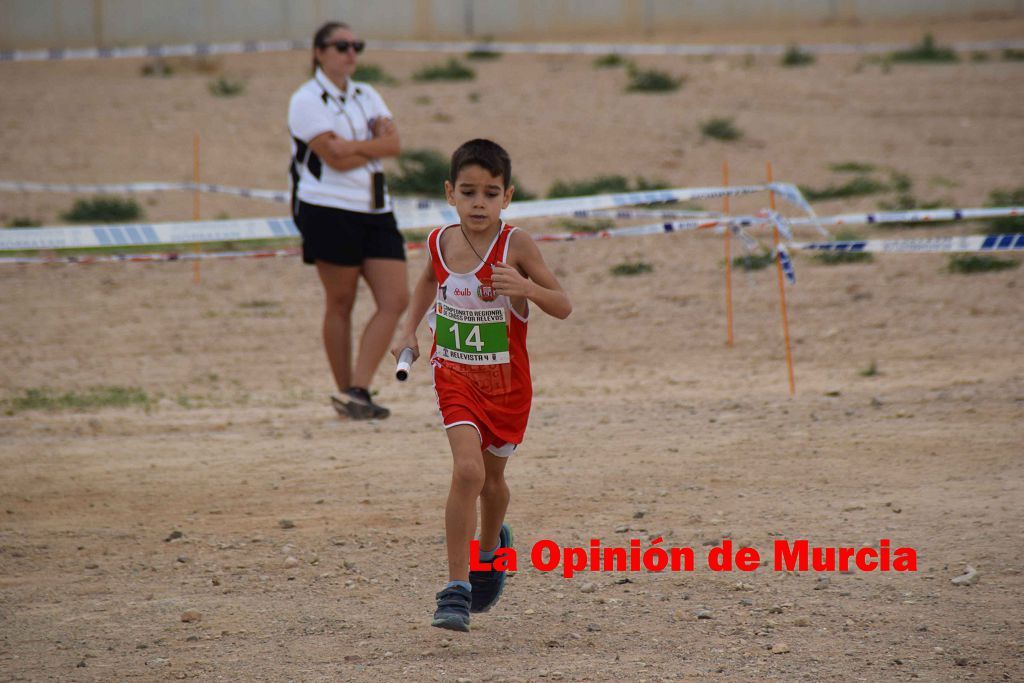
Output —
(478, 284)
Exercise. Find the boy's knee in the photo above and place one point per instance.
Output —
(495, 486)
(468, 475)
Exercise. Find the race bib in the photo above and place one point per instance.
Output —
(473, 337)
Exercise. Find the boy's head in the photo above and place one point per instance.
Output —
(480, 185)
(488, 155)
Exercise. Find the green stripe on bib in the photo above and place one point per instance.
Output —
(474, 337)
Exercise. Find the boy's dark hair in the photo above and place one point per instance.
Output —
(488, 155)
(320, 38)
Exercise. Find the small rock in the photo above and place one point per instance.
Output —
(747, 602)
(968, 578)
(704, 614)
(623, 580)
(622, 528)
(801, 621)
(191, 615)
(158, 662)
(81, 664)
(588, 587)
(938, 650)
(291, 561)
(286, 524)
(822, 583)
(529, 611)
(173, 536)
(780, 648)
(961, 661)
(639, 514)
(192, 639)
(593, 628)
(183, 559)
(92, 565)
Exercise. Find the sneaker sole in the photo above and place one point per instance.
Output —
(451, 624)
(358, 411)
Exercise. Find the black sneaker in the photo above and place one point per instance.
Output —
(488, 585)
(355, 404)
(452, 609)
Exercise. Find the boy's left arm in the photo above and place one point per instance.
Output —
(539, 284)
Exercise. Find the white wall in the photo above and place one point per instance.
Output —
(111, 23)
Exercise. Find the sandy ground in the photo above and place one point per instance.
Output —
(645, 424)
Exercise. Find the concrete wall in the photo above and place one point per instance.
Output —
(28, 24)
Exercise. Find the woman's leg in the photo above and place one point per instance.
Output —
(340, 284)
(389, 282)
(493, 500)
(460, 512)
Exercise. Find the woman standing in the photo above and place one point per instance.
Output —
(340, 130)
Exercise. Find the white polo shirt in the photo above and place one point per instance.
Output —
(319, 106)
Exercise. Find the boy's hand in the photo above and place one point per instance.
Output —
(406, 341)
(508, 281)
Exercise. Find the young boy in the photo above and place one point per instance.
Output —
(481, 275)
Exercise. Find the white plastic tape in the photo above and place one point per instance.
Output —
(64, 237)
(923, 245)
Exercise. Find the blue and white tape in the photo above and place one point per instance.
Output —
(277, 196)
(923, 245)
(923, 216)
(65, 237)
(632, 49)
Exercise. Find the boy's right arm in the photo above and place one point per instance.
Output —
(422, 299)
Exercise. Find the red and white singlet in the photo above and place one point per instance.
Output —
(480, 365)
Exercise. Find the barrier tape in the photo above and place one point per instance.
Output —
(63, 237)
(633, 49)
(974, 243)
(923, 245)
(923, 216)
(280, 197)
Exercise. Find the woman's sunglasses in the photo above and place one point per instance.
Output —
(343, 45)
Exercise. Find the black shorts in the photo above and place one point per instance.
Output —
(347, 238)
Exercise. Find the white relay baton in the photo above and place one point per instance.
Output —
(404, 362)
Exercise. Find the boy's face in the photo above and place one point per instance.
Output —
(479, 197)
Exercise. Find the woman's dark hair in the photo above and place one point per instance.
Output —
(320, 38)
(488, 155)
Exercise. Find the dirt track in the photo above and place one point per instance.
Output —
(640, 407)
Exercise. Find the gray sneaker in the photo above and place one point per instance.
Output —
(355, 404)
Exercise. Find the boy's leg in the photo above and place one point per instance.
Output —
(468, 477)
(493, 500)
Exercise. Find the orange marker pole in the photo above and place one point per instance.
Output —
(728, 261)
(196, 275)
(782, 293)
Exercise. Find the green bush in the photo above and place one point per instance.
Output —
(925, 51)
(631, 268)
(95, 397)
(720, 128)
(226, 87)
(422, 172)
(103, 209)
(157, 67)
(372, 73)
(852, 167)
(757, 261)
(855, 187)
(1011, 55)
(452, 70)
(652, 80)
(23, 222)
(1007, 224)
(794, 56)
(482, 53)
(609, 61)
(974, 263)
(600, 185)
